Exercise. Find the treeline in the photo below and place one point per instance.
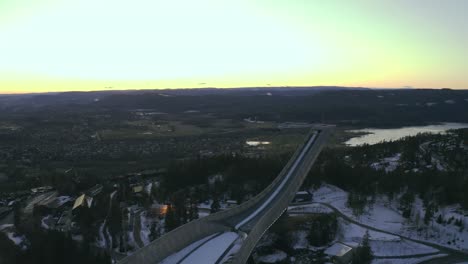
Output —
(364, 107)
(349, 169)
(186, 183)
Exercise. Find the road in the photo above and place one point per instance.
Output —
(454, 255)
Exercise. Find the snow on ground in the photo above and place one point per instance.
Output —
(176, 257)
(354, 233)
(388, 164)
(131, 240)
(379, 216)
(276, 256)
(145, 228)
(46, 221)
(309, 208)
(205, 207)
(19, 240)
(444, 234)
(399, 248)
(212, 250)
(6, 226)
(63, 199)
(406, 260)
(332, 195)
(148, 188)
(300, 239)
(383, 215)
(234, 249)
(101, 241)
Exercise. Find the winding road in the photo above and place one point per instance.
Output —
(453, 257)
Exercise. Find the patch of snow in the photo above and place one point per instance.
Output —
(101, 241)
(337, 249)
(237, 246)
(44, 221)
(399, 248)
(277, 256)
(63, 199)
(131, 240)
(300, 239)
(212, 250)
(145, 229)
(388, 164)
(309, 208)
(6, 226)
(19, 240)
(407, 260)
(384, 215)
(444, 234)
(148, 188)
(352, 232)
(176, 257)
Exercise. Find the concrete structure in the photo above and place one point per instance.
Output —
(249, 220)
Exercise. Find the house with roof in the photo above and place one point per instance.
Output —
(339, 253)
(83, 201)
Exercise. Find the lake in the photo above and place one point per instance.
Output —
(376, 135)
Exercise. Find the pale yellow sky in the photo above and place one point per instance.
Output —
(61, 45)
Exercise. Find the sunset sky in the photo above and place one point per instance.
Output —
(63, 45)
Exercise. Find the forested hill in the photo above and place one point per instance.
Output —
(361, 107)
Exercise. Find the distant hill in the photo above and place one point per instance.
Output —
(341, 105)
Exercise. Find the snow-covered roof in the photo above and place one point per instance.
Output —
(337, 250)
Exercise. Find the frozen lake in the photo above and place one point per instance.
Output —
(376, 135)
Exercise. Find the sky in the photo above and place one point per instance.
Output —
(82, 45)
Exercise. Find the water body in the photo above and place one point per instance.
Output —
(376, 135)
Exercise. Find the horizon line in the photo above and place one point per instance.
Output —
(241, 87)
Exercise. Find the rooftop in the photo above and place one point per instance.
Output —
(338, 250)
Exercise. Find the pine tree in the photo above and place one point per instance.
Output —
(430, 208)
(406, 203)
(215, 206)
(363, 254)
(440, 220)
(171, 219)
